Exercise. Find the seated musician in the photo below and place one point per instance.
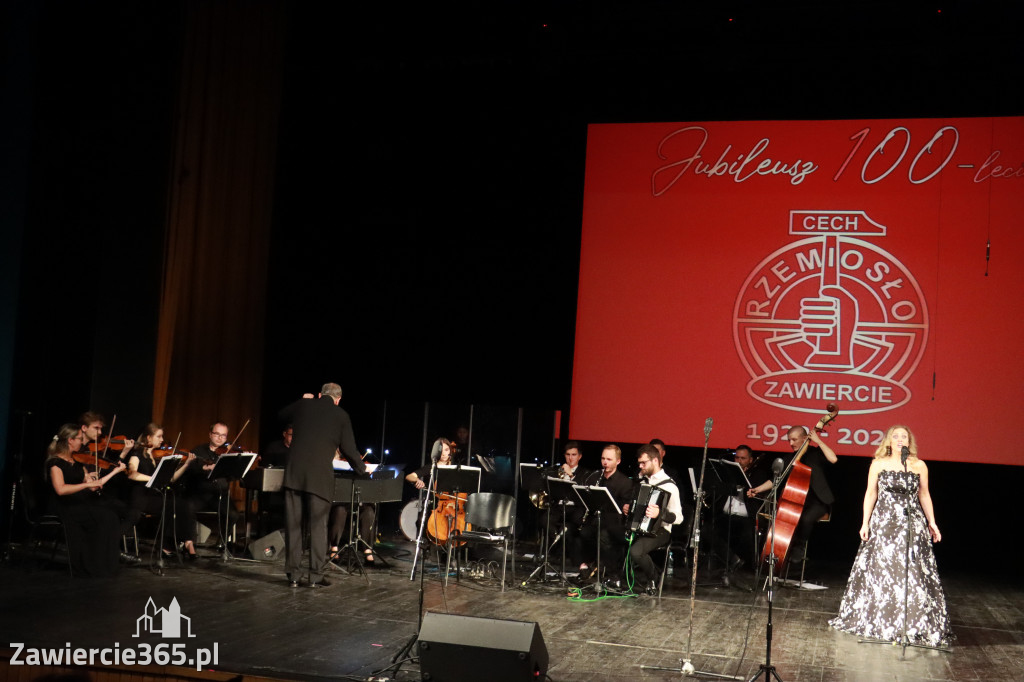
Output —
(680, 531)
(419, 477)
(734, 541)
(338, 526)
(146, 500)
(276, 452)
(204, 493)
(570, 470)
(91, 426)
(612, 528)
(92, 526)
(819, 495)
(648, 460)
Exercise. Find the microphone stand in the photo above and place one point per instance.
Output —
(403, 654)
(15, 481)
(686, 667)
(767, 668)
(904, 640)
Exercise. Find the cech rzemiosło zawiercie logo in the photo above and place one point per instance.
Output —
(831, 316)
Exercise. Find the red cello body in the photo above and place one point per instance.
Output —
(791, 501)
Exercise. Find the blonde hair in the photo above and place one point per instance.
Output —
(614, 448)
(884, 450)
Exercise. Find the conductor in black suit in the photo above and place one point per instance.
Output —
(320, 428)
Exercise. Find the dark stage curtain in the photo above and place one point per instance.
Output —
(209, 359)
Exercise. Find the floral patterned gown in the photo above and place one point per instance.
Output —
(872, 605)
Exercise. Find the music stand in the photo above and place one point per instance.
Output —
(558, 491)
(561, 493)
(458, 478)
(597, 500)
(533, 481)
(357, 491)
(455, 480)
(713, 483)
(160, 480)
(733, 482)
(231, 466)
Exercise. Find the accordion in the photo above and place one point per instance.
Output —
(639, 523)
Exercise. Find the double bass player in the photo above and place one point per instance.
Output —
(818, 455)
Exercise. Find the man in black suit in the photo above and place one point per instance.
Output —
(320, 428)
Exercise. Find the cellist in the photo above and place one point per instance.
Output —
(819, 494)
(419, 477)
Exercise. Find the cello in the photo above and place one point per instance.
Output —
(448, 516)
(791, 502)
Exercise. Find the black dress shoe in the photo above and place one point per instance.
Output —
(651, 589)
(323, 582)
(291, 583)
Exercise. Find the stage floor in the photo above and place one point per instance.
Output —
(262, 627)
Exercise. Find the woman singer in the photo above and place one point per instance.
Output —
(886, 569)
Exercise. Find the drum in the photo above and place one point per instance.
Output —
(409, 520)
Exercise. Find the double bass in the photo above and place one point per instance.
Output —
(791, 502)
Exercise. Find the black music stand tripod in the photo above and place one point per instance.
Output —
(734, 479)
(232, 466)
(559, 492)
(598, 500)
(364, 491)
(161, 481)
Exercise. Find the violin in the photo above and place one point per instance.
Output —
(103, 444)
(166, 450)
(792, 499)
(91, 460)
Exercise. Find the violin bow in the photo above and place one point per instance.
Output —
(239, 434)
(106, 445)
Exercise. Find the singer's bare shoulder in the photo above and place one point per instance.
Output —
(879, 465)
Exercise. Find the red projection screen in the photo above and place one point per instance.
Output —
(753, 272)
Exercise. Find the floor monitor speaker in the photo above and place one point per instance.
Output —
(269, 547)
(460, 648)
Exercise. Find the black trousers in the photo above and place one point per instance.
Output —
(612, 542)
(814, 509)
(318, 510)
(640, 555)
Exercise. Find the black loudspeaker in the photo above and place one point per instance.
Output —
(463, 648)
(269, 547)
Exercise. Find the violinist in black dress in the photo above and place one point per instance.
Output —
(93, 528)
(144, 499)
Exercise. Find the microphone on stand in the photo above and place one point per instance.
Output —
(777, 466)
(904, 454)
